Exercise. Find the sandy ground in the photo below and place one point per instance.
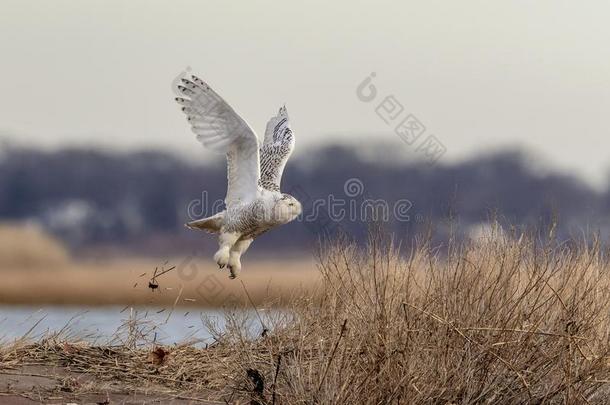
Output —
(193, 282)
(56, 385)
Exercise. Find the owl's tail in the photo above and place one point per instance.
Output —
(210, 224)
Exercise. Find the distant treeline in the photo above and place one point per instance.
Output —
(141, 200)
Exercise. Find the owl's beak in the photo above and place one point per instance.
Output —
(299, 208)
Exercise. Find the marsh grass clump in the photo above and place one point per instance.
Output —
(499, 320)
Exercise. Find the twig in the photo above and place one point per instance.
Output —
(174, 306)
(165, 271)
(332, 356)
(277, 371)
(153, 284)
(534, 332)
(265, 329)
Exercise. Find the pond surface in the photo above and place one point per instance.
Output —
(114, 325)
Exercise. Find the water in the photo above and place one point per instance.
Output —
(107, 325)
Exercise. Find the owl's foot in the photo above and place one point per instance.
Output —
(234, 265)
(221, 257)
(225, 240)
(234, 271)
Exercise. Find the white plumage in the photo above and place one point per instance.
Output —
(254, 203)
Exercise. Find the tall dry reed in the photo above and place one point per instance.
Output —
(500, 320)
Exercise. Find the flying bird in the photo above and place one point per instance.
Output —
(254, 203)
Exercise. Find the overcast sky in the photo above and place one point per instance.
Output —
(478, 74)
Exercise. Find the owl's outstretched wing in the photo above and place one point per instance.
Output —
(221, 129)
(275, 151)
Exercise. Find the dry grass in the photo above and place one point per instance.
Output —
(36, 269)
(30, 247)
(500, 321)
(126, 282)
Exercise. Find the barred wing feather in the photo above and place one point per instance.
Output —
(275, 151)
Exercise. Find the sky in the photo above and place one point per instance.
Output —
(479, 75)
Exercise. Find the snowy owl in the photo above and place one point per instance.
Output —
(254, 203)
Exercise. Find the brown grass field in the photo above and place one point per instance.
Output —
(36, 269)
(502, 320)
(126, 282)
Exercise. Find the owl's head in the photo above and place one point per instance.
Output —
(286, 209)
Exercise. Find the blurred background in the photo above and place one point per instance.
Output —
(459, 112)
